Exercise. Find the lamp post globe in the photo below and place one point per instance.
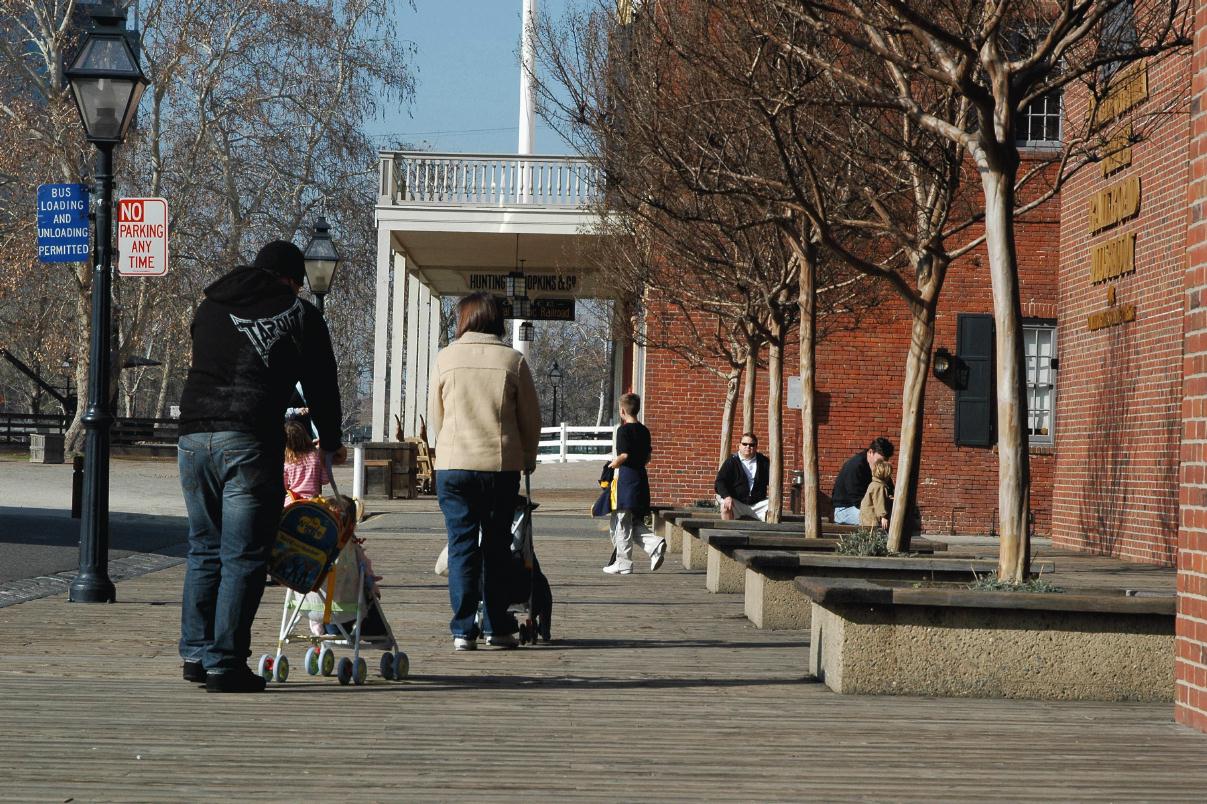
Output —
(106, 83)
(321, 261)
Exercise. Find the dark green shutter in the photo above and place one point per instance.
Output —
(976, 424)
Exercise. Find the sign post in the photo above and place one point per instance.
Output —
(63, 229)
(142, 236)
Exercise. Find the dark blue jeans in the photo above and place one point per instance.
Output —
(234, 492)
(473, 501)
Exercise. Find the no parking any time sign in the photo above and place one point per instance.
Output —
(142, 236)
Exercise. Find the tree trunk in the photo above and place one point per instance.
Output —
(775, 423)
(165, 379)
(807, 301)
(727, 414)
(1014, 476)
(751, 375)
(913, 397)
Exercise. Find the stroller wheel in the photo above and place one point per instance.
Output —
(265, 668)
(280, 669)
(386, 667)
(361, 672)
(326, 661)
(312, 661)
(402, 666)
(344, 671)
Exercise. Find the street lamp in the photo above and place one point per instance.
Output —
(106, 83)
(321, 261)
(555, 380)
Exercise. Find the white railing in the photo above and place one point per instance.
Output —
(426, 177)
(572, 443)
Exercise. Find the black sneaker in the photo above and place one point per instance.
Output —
(241, 680)
(193, 672)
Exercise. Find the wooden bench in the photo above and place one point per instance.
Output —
(724, 574)
(774, 599)
(695, 554)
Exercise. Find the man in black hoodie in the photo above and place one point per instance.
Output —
(253, 341)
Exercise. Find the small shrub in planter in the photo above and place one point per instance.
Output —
(863, 542)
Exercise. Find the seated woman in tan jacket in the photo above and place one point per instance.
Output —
(877, 503)
(484, 410)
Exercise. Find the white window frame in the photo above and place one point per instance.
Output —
(1023, 123)
(1032, 358)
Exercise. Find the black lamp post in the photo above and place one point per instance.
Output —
(555, 380)
(321, 261)
(107, 84)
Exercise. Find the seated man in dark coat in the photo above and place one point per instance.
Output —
(855, 477)
(741, 483)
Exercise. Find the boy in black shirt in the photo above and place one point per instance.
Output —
(631, 491)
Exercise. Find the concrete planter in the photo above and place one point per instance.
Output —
(773, 601)
(695, 552)
(892, 639)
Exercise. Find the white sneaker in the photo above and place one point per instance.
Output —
(658, 556)
(616, 569)
(503, 641)
(464, 643)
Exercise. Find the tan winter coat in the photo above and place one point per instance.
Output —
(875, 504)
(483, 407)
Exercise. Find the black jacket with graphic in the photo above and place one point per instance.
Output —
(253, 341)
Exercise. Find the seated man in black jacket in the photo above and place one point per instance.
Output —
(855, 477)
(741, 484)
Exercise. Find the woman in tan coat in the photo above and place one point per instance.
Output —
(485, 413)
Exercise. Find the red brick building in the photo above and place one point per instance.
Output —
(1114, 292)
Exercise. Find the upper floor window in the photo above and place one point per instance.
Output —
(1039, 123)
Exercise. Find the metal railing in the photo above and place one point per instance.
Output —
(427, 177)
(574, 443)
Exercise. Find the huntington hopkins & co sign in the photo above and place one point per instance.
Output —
(537, 283)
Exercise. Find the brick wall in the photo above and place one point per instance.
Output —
(1118, 426)
(860, 372)
(1191, 646)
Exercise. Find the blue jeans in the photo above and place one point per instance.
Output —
(233, 492)
(848, 515)
(473, 501)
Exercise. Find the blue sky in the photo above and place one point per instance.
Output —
(468, 77)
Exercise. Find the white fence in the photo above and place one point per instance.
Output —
(486, 179)
(567, 443)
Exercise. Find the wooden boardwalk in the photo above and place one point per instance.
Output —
(654, 690)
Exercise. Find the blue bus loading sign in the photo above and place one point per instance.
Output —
(63, 230)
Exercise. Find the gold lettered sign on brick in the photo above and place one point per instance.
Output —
(1111, 317)
(1117, 152)
(1128, 89)
(1116, 203)
(1114, 258)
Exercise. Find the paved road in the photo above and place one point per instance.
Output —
(39, 538)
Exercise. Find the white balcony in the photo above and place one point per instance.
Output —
(486, 180)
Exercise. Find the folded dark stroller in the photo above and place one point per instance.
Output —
(529, 593)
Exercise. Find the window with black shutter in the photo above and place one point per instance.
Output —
(975, 420)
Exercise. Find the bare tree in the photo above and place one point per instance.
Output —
(991, 59)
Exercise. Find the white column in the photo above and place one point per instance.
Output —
(433, 350)
(527, 84)
(402, 280)
(381, 333)
(423, 359)
(410, 406)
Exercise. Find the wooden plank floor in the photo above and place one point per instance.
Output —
(654, 690)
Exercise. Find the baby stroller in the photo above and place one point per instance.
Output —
(329, 583)
(529, 594)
